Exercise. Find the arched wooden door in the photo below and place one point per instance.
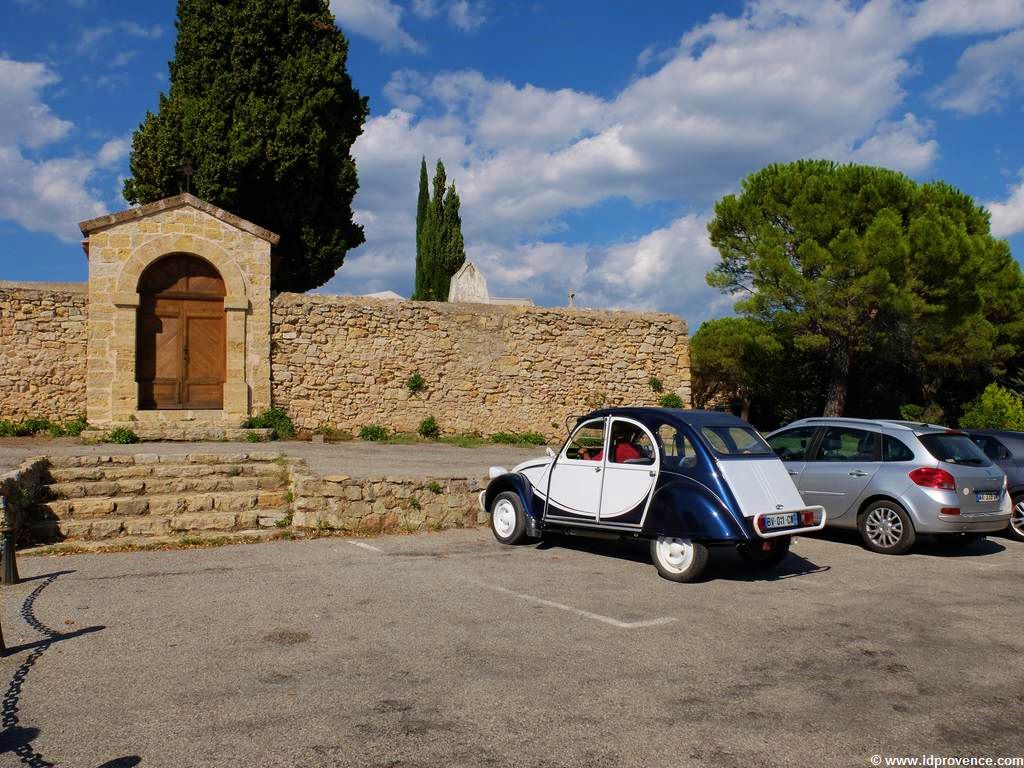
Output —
(181, 351)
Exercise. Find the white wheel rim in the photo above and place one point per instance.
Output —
(884, 527)
(675, 555)
(1017, 518)
(504, 518)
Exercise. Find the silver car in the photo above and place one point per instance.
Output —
(893, 480)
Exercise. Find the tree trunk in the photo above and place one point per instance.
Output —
(838, 383)
(745, 408)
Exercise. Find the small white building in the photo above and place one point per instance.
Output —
(469, 286)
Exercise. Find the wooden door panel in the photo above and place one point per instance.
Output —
(205, 354)
(159, 346)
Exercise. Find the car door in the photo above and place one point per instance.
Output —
(793, 446)
(574, 485)
(630, 472)
(836, 474)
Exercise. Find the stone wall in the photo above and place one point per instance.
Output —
(344, 362)
(42, 350)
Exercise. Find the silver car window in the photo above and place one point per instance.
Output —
(846, 444)
(954, 448)
(793, 444)
(894, 449)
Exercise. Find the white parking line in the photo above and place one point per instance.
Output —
(364, 545)
(579, 611)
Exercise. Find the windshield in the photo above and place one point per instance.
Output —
(735, 441)
(954, 449)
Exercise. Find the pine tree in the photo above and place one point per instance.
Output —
(453, 251)
(422, 206)
(260, 103)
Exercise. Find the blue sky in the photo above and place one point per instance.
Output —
(589, 140)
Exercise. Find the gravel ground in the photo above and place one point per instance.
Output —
(450, 650)
(356, 458)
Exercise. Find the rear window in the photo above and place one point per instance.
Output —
(735, 441)
(954, 449)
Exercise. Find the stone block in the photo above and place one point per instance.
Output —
(209, 521)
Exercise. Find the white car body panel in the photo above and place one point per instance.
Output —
(761, 485)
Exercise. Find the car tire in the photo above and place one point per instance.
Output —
(1016, 528)
(886, 527)
(676, 559)
(508, 518)
(754, 552)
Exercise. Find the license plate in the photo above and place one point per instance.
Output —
(987, 496)
(787, 520)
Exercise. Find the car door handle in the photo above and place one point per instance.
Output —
(652, 473)
(858, 473)
(597, 469)
(792, 473)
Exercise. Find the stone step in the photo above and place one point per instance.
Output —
(248, 468)
(163, 486)
(135, 459)
(89, 508)
(159, 525)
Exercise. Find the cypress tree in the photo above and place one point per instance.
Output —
(453, 251)
(261, 104)
(422, 206)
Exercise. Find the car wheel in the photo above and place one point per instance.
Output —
(508, 519)
(754, 552)
(1016, 529)
(680, 560)
(962, 540)
(886, 527)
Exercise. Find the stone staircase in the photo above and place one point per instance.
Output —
(149, 495)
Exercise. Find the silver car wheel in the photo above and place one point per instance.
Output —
(884, 527)
(1017, 518)
(504, 518)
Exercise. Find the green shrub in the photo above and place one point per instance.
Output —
(995, 408)
(122, 436)
(670, 400)
(373, 432)
(435, 487)
(332, 434)
(506, 438)
(415, 383)
(428, 428)
(923, 414)
(275, 419)
(76, 426)
(254, 437)
(532, 438)
(656, 384)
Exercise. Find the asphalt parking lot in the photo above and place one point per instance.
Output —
(450, 650)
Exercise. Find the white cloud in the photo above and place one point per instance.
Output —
(51, 194)
(425, 9)
(1008, 215)
(785, 79)
(465, 15)
(90, 38)
(379, 20)
(986, 74)
(957, 17)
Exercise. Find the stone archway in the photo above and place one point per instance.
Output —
(120, 248)
(234, 402)
(180, 340)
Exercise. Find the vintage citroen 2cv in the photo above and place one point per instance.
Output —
(684, 480)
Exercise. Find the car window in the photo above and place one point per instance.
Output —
(894, 449)
(676, 449)
(731, 441)
(846, 444)
(992, 447)
(793, 444)
(954, 448)
(630, 444)
(587, 442)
